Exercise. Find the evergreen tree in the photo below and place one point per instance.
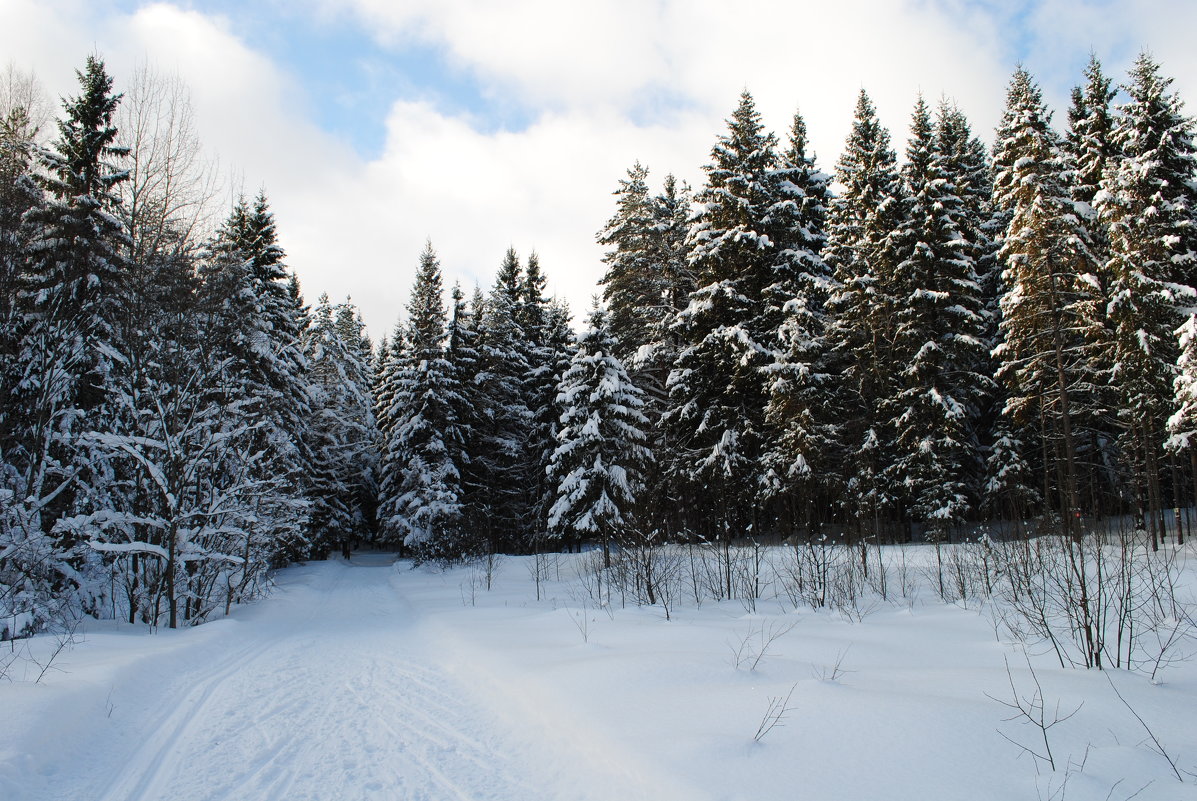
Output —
(939, 338)
(646, 287)
(422, 490)
(464, 356)
(539, 392)
(1047, 307)
(1090, 142)
(802, 443)
(363, 441)
(864, 250)
(390, 358)
(599, 464)
(738, 249)
(503, 434)
(964, 161)
(343, 438)
(628, 284)
(70, 287)
(269, 356)
(1147, 203)
(18, 194)
(1092, 152)
(648, 280)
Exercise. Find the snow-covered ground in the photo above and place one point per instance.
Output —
(367, 680)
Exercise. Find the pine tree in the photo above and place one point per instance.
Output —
(939, 335)
(75, 282)
(342, 434)
(628, 283)
(422, 490)
(18, 194)
(1089, 142)
(718, 385)
(863, 250)
(1092, 152)
(964, 161)
(363, 442)
(1047, 305)
(802, 440)
(71, 283)
(599, 465)
(540, 393)
(272, 368)
(1147, 204)
(646, 286)
(506, 419)
(464, 356)
(391, 356)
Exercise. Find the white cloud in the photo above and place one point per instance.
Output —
(584, 72)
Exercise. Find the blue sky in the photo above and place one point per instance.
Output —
(350, 79)
(376, 124)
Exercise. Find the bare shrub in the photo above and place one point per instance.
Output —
(1035, 711)
(774, 715)
(752, 645)
(1096, 600)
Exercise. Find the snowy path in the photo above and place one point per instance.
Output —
(325, 691)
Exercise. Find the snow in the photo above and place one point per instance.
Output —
(367, 680)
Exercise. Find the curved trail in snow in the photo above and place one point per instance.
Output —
(325, 691)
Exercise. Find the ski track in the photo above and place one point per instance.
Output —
(330, 699)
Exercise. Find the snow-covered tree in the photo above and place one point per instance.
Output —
(501, 439)
(939, 341)
(343, 435)
(1047, 306)
(542, 345)
(628, 285)
(864, 251)
(598, 467)
(70, 288)
(717, 390)
(1147, 204)
(646, 286)
(274, 366)
(802, 443)
(422, 491)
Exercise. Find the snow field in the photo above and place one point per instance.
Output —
(908, 717)
(372, 681)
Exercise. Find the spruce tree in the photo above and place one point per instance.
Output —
(598, 467)
(939, 340)
(272, 368)
(68, 304)
(422, 490)
(342, 434)
(629, 288)
(1147, 204)
(864, 250)
(718, 385)
(18, 194)
(1047, 304)
(802, 442)
(1091, 151)
(502, 437)
(540, 393)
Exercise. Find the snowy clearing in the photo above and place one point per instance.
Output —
(370, 680)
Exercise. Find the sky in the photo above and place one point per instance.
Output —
(374, 126)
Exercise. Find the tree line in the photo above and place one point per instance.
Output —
(972, 334)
